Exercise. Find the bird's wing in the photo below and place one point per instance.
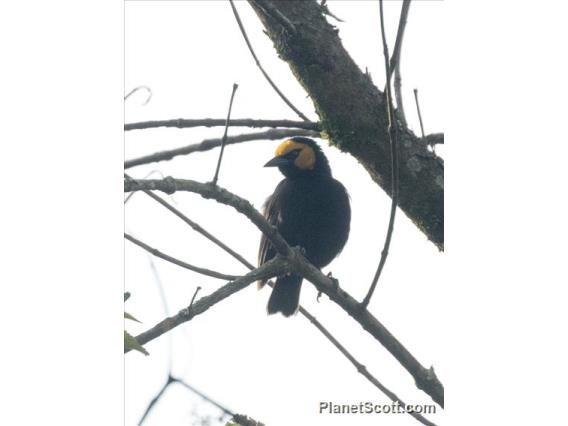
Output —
(271, 213)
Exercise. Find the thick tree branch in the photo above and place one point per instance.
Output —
(208, 144)
(184, 123)
(352, 111)
(425, 378)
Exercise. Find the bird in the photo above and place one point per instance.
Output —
(310, 209)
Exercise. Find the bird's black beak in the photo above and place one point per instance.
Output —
(277, 162)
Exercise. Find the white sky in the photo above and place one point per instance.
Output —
(274, 369)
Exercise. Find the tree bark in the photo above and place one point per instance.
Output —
(352, 110)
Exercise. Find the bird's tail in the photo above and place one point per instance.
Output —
(285, 296)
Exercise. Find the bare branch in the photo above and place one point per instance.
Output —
(395, 61)
(136, 89)
(186, 385)
(425, 378)
(155, 400)
(196, 227)
(208, 144)
(194, 296)
(419, 114)
(184, 123)
(224, 139)
(170, 185)
(178, 262)
(258, 64)
(393, 139)
(360, 367)
(276, 266)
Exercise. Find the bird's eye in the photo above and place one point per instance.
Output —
(295, 153)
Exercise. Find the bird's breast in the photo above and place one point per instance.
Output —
(315, 215)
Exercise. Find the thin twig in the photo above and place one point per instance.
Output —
(224, 139)
(221, 407)
(361, 368)
(259, 65)
(395, 61)
(136, 89)
(155, 400)
(194, 295)
(393, 136)
(418, 109)
(178, 262)
(198, 228)
(208, 144)
(171, 380)
(184, 123)
(425, 379)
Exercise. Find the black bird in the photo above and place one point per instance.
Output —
(310, 209)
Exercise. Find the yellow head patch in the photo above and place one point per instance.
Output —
(306, 158)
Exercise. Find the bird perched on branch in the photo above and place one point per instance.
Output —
(310, 209)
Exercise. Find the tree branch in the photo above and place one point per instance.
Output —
(425, 378)
(198, 228)
(395, 61)
(224, 138)
(178, 262)
(208, 144)
(184, 123)
(276, 266)
(155, 400)
(352, 112)
(393, 140)
(419, 114)
(258, 64)
(361, 368)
